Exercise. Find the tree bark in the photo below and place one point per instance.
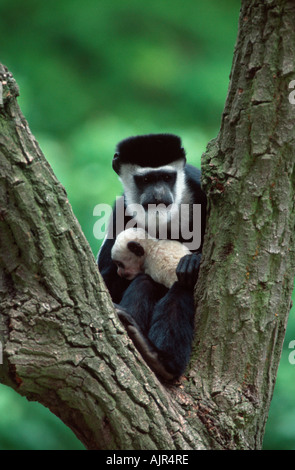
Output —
(62, 342)
(248, 272)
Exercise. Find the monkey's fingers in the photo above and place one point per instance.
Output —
(181, 269)
(188, 269)
(193, 269)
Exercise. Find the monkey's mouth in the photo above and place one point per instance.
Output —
(128, 276)
(157, 205)
(160, 208)
(160, 213)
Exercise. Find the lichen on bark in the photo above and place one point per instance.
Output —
(62, 342)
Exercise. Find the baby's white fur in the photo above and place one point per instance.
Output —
(160, 259)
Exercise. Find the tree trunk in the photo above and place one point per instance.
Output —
(248, 272)
(62, 342)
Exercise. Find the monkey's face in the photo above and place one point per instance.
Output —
(156, 187)
(153, 186)
(128, 253)
(129, 266)
(158, 191)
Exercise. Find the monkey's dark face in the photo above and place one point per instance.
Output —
(153, 186)
(156, 187)
(153, 195)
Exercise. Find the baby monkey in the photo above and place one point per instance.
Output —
(135, 252)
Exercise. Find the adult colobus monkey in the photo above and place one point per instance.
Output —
(163, 195)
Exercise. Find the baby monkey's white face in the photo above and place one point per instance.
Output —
(128, 253)
(129, 265)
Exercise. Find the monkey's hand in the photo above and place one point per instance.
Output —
(187, 270)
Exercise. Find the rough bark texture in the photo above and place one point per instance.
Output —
(62, 343)
(248, 273)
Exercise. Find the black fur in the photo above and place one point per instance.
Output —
(135, 248)
(151, 150)
(160, 321)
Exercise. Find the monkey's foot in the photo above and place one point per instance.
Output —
(125, 317)
(145, 348)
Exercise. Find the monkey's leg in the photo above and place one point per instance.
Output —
(135, 311)
(172, 328)
(140, 298)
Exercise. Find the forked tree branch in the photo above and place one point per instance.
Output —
(62, 342)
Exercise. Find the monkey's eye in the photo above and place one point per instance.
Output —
(167, 177)
(120, 265)
(145, 179)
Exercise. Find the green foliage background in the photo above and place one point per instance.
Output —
(92, 73)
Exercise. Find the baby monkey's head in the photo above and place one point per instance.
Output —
(128, 252)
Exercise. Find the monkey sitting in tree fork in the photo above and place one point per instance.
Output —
(160, 320)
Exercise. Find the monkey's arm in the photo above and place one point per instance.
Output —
(116, 285)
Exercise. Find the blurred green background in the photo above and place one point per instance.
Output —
(94, 72)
